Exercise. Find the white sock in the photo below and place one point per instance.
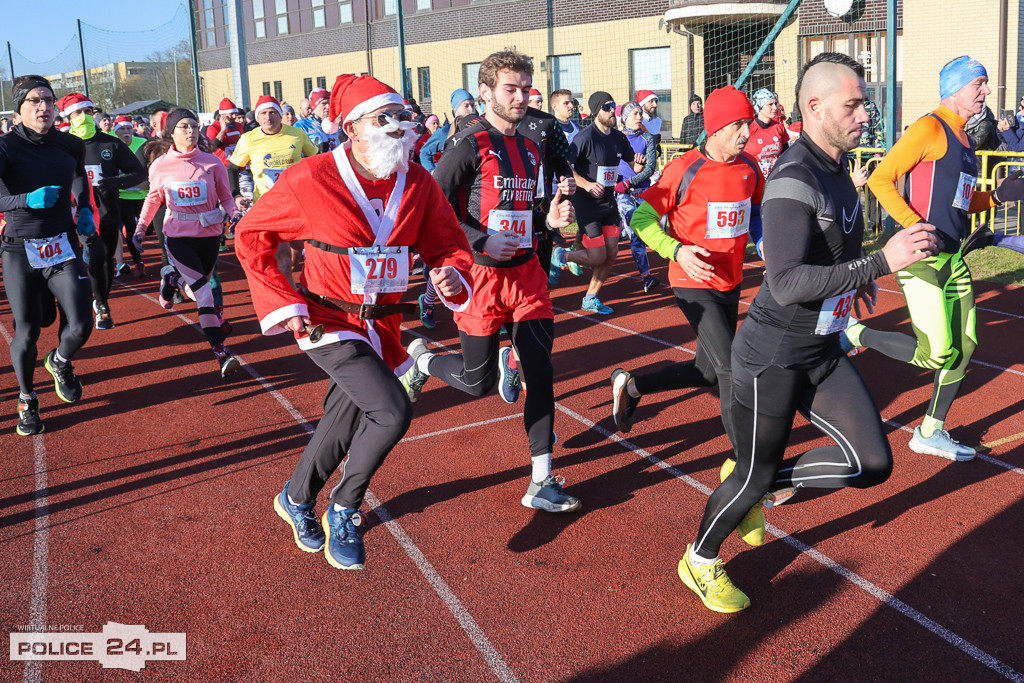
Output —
(631, 388)
(697, 559)
(423, 363)
(541, 467)
(291, 501)
(588, 297)
(59, 358)
(338, 508)
(25, 397)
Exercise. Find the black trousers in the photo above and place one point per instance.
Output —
(834, 398)
(366, 412)
(26, 287)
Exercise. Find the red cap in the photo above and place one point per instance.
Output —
(73, 102)
(643, 96)
(725, 106)
(267, 102)
(317, 94)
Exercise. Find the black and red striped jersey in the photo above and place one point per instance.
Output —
(491, 181)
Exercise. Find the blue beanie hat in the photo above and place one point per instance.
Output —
(460, 96)
(958, 73)
(762, 97)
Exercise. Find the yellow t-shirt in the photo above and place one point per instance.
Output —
(269, 155)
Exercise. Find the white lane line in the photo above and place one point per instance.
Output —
(871, 589)
(460, 428)
(476, 635)
(40, 545)
(989, 459)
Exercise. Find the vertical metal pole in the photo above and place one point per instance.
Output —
(551, 49)
(195, 53)
(1001, 75)
(85, 70)
(401, 50)
(236, 46)
(177, 100)
(367, 9)
(890, 74)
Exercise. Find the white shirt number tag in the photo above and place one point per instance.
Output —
(964, 192)
(519, 222)
(606, 175)
(48, 251)
(835, 313)
(189, 193)
(270, 176)
(379, 270)
(95, 172)
(728, 219)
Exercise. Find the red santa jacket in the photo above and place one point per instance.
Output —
(319, 199)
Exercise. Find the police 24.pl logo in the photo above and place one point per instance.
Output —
(119, 646)
(106, 155)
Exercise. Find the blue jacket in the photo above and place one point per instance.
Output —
(434, 145)
(1014, 139)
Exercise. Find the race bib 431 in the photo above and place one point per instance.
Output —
(835, 313)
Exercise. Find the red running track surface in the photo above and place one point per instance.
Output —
(150, 502)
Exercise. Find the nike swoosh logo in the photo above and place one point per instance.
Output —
(82, 278)
(848, 221)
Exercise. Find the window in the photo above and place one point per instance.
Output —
(567, 74)
(281, 8)
(321, 82)
(390, 7)
(345, 12)
(651, 69)
(260, 21)
(319, 14)
(278, 93)
(211, 38)
(307, 86)
(423, 74)
(422, 5)
(471, 76)
(266, 87)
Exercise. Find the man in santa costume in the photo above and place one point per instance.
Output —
(362, 210)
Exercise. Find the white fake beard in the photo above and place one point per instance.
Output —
(387, 154)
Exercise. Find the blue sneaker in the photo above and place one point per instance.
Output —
(594, 305)
(426, 313)
(941, 444)
(306, 529)
(344, 548)
(508, 381)
(574, 268)
(557, 264)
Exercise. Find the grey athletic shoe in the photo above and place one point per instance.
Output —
(413, 380)
(941, 444)
(548, 495)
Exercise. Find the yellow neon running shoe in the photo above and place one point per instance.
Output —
(751, 529)
(712, 585)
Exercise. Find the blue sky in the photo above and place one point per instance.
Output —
(41, 39)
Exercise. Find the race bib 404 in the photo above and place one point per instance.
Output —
(835, 313)
(379, 270)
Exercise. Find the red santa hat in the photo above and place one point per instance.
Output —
(352, 97)
(122, 121)
(644, 96)
(267, 102)
(317, 94)
(535, 94)
(64, 126)
(72, 103)
(226, 107)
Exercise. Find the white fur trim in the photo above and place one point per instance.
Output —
(269, 104)
(123, 124)
(458, 308)
(373, 103)
(77, 106)
(271, 323)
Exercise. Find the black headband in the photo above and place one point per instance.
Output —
(175, 117)
(22, 90)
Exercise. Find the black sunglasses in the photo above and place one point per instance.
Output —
(386, 118)
(608, 106)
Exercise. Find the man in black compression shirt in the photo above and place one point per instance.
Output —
(41, 171)
(786, 356)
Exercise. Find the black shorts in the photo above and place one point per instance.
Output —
(593, 219)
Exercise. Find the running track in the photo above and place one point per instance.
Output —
(149, 502)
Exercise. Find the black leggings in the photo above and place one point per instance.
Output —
(712, 315)
(26, 286)
(130, 210)
(195, 259)
(366, 412)
(835, 400)
(102, 246)
(475, 371)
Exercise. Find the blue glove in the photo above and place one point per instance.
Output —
(85, 224)
(43, 198)
(760, 248)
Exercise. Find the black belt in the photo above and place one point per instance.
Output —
(364, 311)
